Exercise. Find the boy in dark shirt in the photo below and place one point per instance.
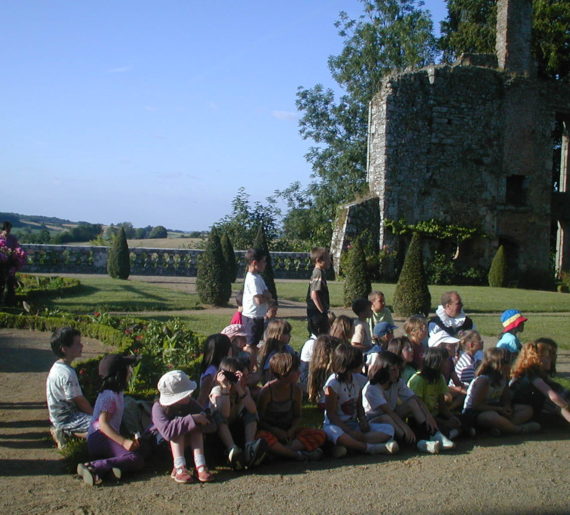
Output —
(318, 293)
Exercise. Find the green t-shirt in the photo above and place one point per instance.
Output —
(428, 392)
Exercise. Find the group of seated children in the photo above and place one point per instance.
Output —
(376, 392)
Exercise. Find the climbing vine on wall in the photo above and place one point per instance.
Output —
(434, 229)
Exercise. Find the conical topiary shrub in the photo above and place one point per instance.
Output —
(118, 261)
(261, 243)
(212, 280)
(412, 294)
(229, 257)
(497, 276)
(356, 281)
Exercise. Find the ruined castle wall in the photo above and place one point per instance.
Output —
(443, 141)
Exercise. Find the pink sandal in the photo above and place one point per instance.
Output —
(203, 474)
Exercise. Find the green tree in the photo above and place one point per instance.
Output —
(158, 232)
(498, 271)
(356, 279)
(471, 24)
(261, 243)
(390, 34)
(412, 294)
(243, 223)
(229, 257)
(118, 261)
(212, 280)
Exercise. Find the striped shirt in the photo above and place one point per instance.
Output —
(465, 368)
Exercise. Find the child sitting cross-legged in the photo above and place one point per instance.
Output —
(234, 411)
(488, 401)
(279, 408)
(387, 399)
(430, 386)
(345, 423)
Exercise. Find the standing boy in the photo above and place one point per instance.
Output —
(380, 312)
(256, 298)
(69, 411)
(318, 293)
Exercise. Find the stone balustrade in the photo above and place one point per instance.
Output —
(56, 259)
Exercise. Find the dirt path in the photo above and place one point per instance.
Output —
(486, 475)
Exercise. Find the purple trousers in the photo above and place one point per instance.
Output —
(109, 454)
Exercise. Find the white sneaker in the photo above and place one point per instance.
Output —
(58, 436)
(445, 442)
(390, 447)
(429, 446)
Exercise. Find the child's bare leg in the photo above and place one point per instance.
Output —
(226, 435)
(177, 447)
(411, 408)
(196, 441)
(283, 450)
(250, 430)
(493, 419)
(351, 443)
(521, 413)
(376, 437)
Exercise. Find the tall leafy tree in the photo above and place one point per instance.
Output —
(470, 27)
(390, 34)
(229, 257)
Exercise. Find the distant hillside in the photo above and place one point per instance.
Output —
(50, 229)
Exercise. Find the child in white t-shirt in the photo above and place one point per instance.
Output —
(386, 398)
(69, 410)
(256, 297)
(345, 423)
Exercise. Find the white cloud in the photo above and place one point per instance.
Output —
(285, 115)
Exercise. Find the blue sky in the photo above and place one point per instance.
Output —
(157, 112)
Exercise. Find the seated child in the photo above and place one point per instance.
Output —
(320, 368)
(69, 411)
(237, 317)
(180, 420)
(238, 338)
(342, 328)
(402, 347)
(276, 339)
(386, 398)
(307, 354)
(271, 314)
(416, 329)
(549, 407)
(279, 408)
(513, 325)
(234, 409)
(488, 401)
(430, 386)
(216, 347)
(380, 312)
(361, 339)
(345, 423)
(531, 384)
(471, 343)
(110, 451)
(382, 336)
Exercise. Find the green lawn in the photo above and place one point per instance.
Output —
(477, 299)
(106, 294)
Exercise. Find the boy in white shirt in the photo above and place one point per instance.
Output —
(69, 411)
(256, 298)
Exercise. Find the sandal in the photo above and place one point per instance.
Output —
(87, 472)
(203, 474)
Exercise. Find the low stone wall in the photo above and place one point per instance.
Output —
(57, 259)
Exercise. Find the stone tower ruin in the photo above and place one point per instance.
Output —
(483, 143)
